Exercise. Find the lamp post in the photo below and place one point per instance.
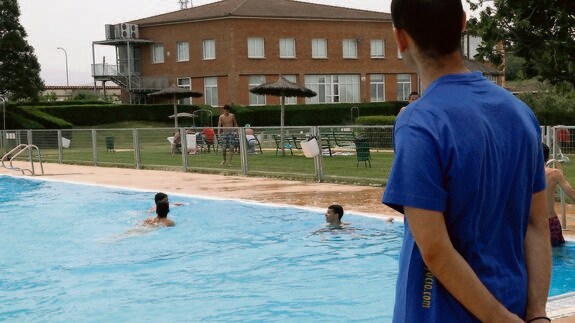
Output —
(3, 123)
(66, 56)
(3, 113)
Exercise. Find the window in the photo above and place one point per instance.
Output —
(319, 48)
(350, 48)
(182, 51)
(287, 48)
(333, 88)
(377, 87)
(157, 53)
(256, 99)
(377, 48)
(209, 48)
(211, 91)
(291, 99)
(256, 47)
(185, 83)
(403, 86)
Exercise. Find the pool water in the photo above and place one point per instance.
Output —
(75, 253)
(70, 254)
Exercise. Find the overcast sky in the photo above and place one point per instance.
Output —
(74, 24)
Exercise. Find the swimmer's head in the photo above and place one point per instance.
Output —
(162, 209)
(160, 197)
(334, 214)
(546, 151)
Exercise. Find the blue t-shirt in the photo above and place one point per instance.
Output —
(471, 150)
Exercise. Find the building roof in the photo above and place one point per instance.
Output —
(79, 87)
(279, 9)
(482, 67)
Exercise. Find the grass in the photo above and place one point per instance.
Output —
(155, 153)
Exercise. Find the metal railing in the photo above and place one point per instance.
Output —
(150, 148)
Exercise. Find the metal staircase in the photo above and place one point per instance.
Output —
(19, 150)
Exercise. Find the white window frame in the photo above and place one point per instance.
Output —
(377, 87)
(287, 48)
(253, 81)
(157, 53)
(377, 48)
(319, 48)
(256, 47)
(403, 86)
(211, 91)
(336, 88)
(209, 49)
(184, 83)
(349, 48)
(291, 99)
(182, 51)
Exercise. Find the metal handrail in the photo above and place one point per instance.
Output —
(18, 150)
(5, 156)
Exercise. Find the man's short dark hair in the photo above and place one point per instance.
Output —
(162, 209)
(338, 209)
(159, 197)
(434, 25)
(546, 152)
(228, 107)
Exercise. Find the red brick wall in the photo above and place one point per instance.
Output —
(233, 67)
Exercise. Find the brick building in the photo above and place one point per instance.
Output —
(224, 48)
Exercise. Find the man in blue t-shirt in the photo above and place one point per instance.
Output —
(469, 176)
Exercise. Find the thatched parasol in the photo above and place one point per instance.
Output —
(283, 88)
(176, 93)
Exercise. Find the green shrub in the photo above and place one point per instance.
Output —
(46, 120)
(375, 120)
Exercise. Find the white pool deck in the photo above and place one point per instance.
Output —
(562, 306)
(356, 199)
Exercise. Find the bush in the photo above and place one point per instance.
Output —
(313, 114)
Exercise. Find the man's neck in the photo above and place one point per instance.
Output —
(430, 70)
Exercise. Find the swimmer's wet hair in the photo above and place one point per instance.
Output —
(162, 209)
(337, 209)
(159, 197)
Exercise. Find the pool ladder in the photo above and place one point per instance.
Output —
(17, 151)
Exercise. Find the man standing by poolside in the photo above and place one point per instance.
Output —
(469, 176)
(227, 120)
(555, 177)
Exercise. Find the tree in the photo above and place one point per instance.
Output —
(540, 31)
(19, 67)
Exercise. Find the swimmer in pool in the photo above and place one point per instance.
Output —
(163, 197)
(162, 210)
(334, 214)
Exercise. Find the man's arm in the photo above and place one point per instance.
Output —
(219, 125)
(430, 234)
(538, 257)
(565, 186)
(234, 120)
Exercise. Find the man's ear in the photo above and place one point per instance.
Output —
(400, 38)
(464, 22)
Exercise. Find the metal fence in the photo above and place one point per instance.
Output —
(151, 148)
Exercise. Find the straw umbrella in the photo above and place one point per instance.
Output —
(176, 93)
(283, 88)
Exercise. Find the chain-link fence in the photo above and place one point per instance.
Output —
(350, 154)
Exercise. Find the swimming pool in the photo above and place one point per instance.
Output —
(68, 256)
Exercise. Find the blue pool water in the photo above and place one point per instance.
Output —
(70, 253)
